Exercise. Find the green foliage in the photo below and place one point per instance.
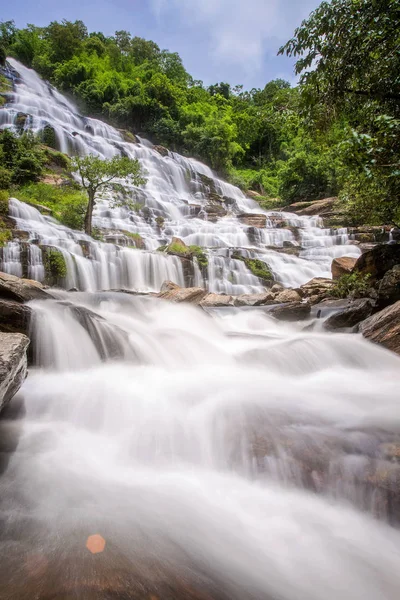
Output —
(201, 256)
(67, 203)
(54, 265)
(353, 285)
(22, 158)
(4, 196)
(5, 233)
(259, 268)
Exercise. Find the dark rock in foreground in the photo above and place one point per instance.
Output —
(14, 317)
(292, 311)
(13, 365)
(378, 261)
(384, 328)
(353, 313)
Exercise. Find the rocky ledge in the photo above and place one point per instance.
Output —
(13, 364)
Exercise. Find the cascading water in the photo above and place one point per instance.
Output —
(178, 191)
(213, 456)
(233, 457)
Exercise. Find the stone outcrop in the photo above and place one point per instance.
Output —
(253, 220)
(216, 300)
(317, 289)
(288, 296)
(378, 261)
(21, 290)
(384, 327)
(342, 266)
(254, 299)
(312, 208)
(389, 287)
(14, 317)
(191, 295)
(353, 313)
(13, 365)
(292, 311)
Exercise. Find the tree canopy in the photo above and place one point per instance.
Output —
(97, 174)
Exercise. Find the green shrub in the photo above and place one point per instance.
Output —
(54, 265)
(200, 255)
(67, 203)
(5, 233)
(353, 285)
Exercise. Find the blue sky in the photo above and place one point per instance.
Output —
(218, 40)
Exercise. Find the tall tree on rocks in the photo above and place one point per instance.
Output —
(97, 174)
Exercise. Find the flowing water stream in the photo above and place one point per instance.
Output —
(215, 455)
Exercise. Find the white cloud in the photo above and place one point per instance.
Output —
(239, 31)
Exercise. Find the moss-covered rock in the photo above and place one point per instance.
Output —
(55, 266)
(258, 267)
(178, 247)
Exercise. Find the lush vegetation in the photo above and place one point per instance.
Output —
(336, 133)
(351, 285)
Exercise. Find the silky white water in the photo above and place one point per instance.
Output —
(231, 456)
(178, 191)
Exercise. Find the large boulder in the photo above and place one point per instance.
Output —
(317, 289)
(191, 295)
(356, 311)
(254, 299)
(14, 317)
(13, 364)
(21, 290)
(342, 266)
(216, 300)
(292, 311)
(389, 287)
(288, 296)
(384, 327)
(378, 261)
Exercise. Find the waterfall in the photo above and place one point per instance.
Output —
(181, 190)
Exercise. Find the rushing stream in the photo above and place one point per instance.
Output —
(218, 455)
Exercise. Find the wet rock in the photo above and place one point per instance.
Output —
(167, 286)
(217, 300)
(13, 365)
(317, 289)
(342, 266)
(191, 295)
(378, 261)
(215, 211)
(292, 311)
(312, 208)
(276, 288)
(289, 244)
(367, 234)
(356, 311)
(254, 299)
(389, 287)
(21, 290)
(253, 220)
(14, 317)
(161, 150)
(384, 327)
(288, 296)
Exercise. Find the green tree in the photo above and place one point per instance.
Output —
(97, 174)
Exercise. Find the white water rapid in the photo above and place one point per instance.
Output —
(181, 191)
(158, 451)
(227, 457)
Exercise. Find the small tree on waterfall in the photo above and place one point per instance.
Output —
(100, 174)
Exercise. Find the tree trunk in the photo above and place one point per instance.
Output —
(89, 212)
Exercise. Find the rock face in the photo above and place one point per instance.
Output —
(378, 261)
(384, 328)
(21, 290)
(316, 207)
(13, 365)
(389, 287)
(292, 311)
(288, 296)
(216, 300)
(14, 317)
(191, 295)
(253, 220)
(342, 266)
(317, 289)
(254, 299)
(356, 311)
